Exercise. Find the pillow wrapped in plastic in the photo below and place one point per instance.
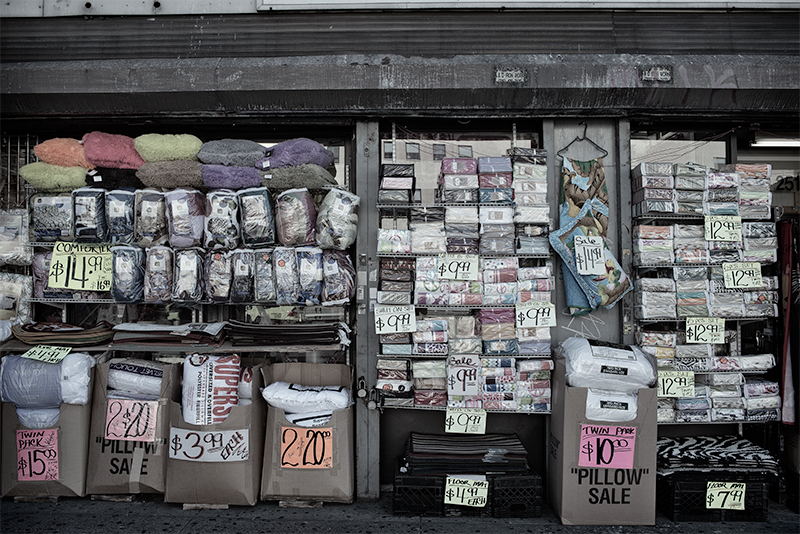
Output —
(186, 213)
(51, 217)
(294, 152)
(151, 218)
(168, 174)
(222, 220)
(15, 294)
(167, 147)
(218, 276)
(264, 283)
(224, 177)
(135, 376)
(29, 383)
(210, 388)
(337, 220)
(158, 275)
(309, 263)
(602, 367)
(14, 249)
(295, 217)
(232, 152)
(611, 406)
(127, 282)
(243, 264)
(188, 279)
(46, 177)
(258, 217)
(296, 398)
(111, 150)
(89, 206)
(38, 418)
(287, 276)
(339, 285)
(120, 210)
(64, 152)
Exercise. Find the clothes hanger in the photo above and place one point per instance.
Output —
(584, 138)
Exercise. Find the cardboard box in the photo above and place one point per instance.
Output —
(126, 466)
(593, 495)
(220, 463)
(55, 457)
(303, 463)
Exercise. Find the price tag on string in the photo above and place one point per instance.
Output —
(607, 446)
(535, 314)
(80, 267)
(131, 420)
(725, 495)
(466, 490)
(589, 257)
(37, 454)
(723, 228)
(47, 353)
(458, 266)
(465, 421)
(220, 446)
(705, 330)
(675, 383)
(741, 275)
(306, 448)
(394, 319)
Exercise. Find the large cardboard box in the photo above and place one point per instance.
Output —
(302, 463)
(590, 494)
(118, 466)
(219, 463)
(50, 461)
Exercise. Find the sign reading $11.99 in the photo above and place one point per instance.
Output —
(394, 319)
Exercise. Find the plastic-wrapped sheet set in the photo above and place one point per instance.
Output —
(210, 388)
(89, 206)
(309, 263)
(222, 220)
(295, 217)
(218, 276)
(264, 283)
(188, 278)
(127, 282)
(186, 212)
(14, 238)
(120, 213)
(339, 284)
(151, 218)
(258, 217)
(287, 276)
(51, 217)
(158, 275)
(337, 220)
(243, 264)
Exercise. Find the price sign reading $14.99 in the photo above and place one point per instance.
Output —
(705, 330)
(589, 257)
(723, 228)
(465, 421)
(535, 314)
(725, 495)
(675, 383)
(80, 267)
(458, 266)
(466, 490)
(394, 319)
(741, 275)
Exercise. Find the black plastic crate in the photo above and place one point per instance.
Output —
(685, 500)
(454, 510)
(418, 496)
(517, 496)
(792, 491)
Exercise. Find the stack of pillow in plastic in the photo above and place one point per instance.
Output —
(212, 385)
(307, 406)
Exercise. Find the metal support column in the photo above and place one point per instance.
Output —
(625, 223)
(367, 167)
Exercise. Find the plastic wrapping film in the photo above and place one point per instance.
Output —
(689, 230)
(683, 404)
(151, 218)
(533, 245)
(135, 376)
(532, 214)
(653, 206)
(14, 238)
(534, 273)
(530, 171)
(693, 416)
(721, 208)
(127, 282)
(662, 339)
(287, 276)
(337, 220)
(653, 194)
(720, 379)
(295, 217)
(89, 205)
(309, 264)
(222, 220)
(29, 383)
(465, 346)
(459, 166)
(51, 217)
(610, 406)
(530, 199)
(218, 276)
(210, 388)
(529, 186)
(495, 179)
(121, 216)
(720, 415)
(755, 243)
(643, 231)
(339, 283)
(188, 277)
(759, 229)
(243, 267)
(158, 275)
(186, 211)
(625, 370)
(663, 285)
(761, 256)
(394, 241)
(725, 256)
(456, 196)
(430, 397)
(727, 403)
(464, 215)
(691, 256)
(665, 415)
(690, 243)
(488, 164)
(683, 286)
(689, 273)
(496, 195)
(394, 196)
(459, 181)
(722, 195)
(653, 245)
(501, 346)
(504, 245)
(653, 169)
(653, 182)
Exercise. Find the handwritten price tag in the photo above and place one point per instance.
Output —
(675, 383)
(458, 267)
(725, 495)
(81, 267)
(589, 257)
(741, 275)
(705, 330)
(535, 314)
(47, 353)
(466, 490)
(131, 420)
(465, 421)
(37, 454)
(462, 380)
(306, 448)
(723, 228)
(607, 446)
(394, 319)
(221, 446)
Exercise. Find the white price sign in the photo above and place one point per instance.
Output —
(705, 330)
(465, 421)
(462, 380)
(741, 275)
(536, 314)
(466, 490)
(458, 266)
(394, 319)
(198, 446)
(725, 495)
(675, 383)
(589, 257)
(723, 228)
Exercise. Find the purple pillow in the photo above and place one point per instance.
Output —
(295, 152)
(225, 177)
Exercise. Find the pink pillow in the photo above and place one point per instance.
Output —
(111, 150)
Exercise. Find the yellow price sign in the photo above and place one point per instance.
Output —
(81, 267)
(725, 495)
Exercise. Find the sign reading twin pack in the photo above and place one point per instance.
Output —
(81, 267)
(37, 454)
(607, 446)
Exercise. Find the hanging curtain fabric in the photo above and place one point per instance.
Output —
(790, 276)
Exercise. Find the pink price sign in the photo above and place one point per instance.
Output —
(607, 446)
(131, 420)
(37, 454)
